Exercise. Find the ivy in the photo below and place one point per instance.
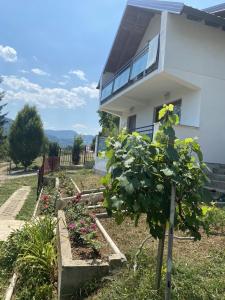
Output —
(141, 171)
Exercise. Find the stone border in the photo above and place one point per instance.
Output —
(72, 274)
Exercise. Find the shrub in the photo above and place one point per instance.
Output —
(77, 148)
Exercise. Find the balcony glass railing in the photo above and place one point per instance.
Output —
(141, 64)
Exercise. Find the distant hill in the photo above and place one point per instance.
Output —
(63, 137)
(66, 137)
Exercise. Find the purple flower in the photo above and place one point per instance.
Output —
(93, 226)
(83, 230)
(82, 222)
(72, 226)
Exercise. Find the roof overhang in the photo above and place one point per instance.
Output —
(218, 10)
(135, 20)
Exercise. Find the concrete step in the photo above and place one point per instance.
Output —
(219, 171)
(217, 184)
(220, 177)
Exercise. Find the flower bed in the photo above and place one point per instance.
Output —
(86, 251)
(66, 186)
(49, 198)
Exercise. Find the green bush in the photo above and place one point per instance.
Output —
(77, 148)
(31, 252)
(53, 149)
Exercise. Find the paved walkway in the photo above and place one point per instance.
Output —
(10, 209)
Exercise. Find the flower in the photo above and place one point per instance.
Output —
(83, 230)
(71, 226)
(45, 198)
(82, 222)
(93, 226)
(46, 206)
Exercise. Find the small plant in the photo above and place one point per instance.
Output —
(48, 203)
(66, 184)
(214, 218)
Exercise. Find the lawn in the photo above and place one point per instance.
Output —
(10, 186)
(86, 179)
(199, 269)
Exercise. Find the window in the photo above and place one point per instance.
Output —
(177, 110)
(131, 123)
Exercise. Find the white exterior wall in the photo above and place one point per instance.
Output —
(196, 53)
(190, 109)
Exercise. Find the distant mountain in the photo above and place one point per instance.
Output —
(63, 137)
(66, 137)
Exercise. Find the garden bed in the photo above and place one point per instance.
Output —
(79, 264)
(67, 187)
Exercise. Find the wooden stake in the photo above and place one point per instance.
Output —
(170, 244)
(160, 259)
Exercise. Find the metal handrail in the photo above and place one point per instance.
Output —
(128, 64)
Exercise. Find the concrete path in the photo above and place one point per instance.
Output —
(7, 226)
(10, 209)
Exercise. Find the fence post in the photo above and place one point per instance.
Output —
(170, 243)
(85, 150)
(96, 145)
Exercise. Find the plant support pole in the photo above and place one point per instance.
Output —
(170, 244)
(160, 259)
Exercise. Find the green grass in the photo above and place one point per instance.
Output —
(199, 267)
(86, 179)
(10, 186)
(28, 208)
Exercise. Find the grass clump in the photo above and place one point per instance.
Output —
(31, 253)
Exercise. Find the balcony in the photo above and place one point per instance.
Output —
(141, 65)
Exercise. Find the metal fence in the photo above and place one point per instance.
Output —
(66, 158)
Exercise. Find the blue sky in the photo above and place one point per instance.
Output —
(52, 53)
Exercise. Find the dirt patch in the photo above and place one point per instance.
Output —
(128, 238)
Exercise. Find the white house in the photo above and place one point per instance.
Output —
(167, 52)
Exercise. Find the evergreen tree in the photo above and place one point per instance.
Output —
(2, 116)
(77, 148)
(26, 136)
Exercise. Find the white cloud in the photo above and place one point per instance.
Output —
(24, 71)
(8, 53)
(79, 73)
(79, 126)
(40, 72)
(62, 83)
(22, 89)
(66, 76)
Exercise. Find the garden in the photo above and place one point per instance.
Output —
(117, 236)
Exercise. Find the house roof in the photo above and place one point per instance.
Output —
(136, 17)
(218, 10)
